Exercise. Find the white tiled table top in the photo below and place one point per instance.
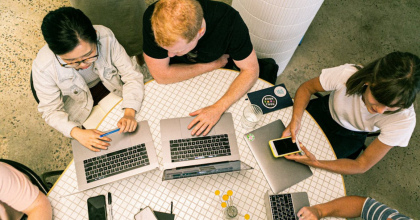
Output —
(194, 198)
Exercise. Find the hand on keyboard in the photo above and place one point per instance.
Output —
(206, 118)
(90, 138)
(128, 122)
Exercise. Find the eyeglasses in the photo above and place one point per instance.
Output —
(76, 64)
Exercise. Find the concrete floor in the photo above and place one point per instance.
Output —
(356, 31)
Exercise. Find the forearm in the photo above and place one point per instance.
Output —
(301, 100)
(245, 80)
(59, 121)
(346, 207)
(180, 72)
(341, 166)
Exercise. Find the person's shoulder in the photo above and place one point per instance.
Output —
(404, 119)
(409, 114)
(44, 57)
(103, 31)
(343, 71)
(6, 171)
(218, 8)
(351, 68)
(149, 10)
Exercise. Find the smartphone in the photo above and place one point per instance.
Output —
(284, 146)
(97, 208)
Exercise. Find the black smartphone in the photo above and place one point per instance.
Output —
(284, 146)
(97, 208)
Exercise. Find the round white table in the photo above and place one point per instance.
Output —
(194, 198)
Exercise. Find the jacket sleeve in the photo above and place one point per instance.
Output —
(133, 88)
(51, 103)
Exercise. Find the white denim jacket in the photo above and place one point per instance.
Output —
(65, 100)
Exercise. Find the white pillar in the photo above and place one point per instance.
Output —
(277, 26)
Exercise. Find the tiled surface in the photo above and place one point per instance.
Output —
(342, 32)
(194, 197)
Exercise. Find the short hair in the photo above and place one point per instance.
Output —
(65, 27)
(172, 19)
(393, 77)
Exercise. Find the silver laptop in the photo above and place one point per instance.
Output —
(280, 173)
(205, 169)
(181, 149)
(129, 154)
(284, 206)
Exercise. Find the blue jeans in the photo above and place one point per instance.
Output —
(343, 141)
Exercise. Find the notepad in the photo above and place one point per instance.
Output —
(271, 99)
(99, 111)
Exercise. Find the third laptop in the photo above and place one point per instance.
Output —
(280, 173)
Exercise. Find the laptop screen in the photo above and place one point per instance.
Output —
(204, 169)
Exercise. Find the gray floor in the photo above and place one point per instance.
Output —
(342, 32)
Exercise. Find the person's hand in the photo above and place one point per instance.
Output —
(206, 119)
(309, 213)
(221, 62)
(128, 122)
(90, 138)
(292, 129)
(308, 158)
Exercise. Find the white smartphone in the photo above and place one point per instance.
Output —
(284, 146)
(145, 214)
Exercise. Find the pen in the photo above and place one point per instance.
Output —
(110, 205)
(111, 132)
(172, 205)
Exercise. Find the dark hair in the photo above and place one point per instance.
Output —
(393, 77)
(65, 27)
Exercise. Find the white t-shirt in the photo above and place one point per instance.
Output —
(351, 112)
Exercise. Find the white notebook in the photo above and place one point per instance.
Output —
(99, 111)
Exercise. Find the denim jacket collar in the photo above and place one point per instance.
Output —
(72, 74)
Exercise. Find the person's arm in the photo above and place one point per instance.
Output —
(40, 209)
(372, 155)
(208, 116)
(345, 207)
(50, 97)
(51, 106)
(17, 191)
(302, 97)
(133, 86)
(164, 73)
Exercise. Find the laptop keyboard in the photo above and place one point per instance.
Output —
(114, 163)
(282, 207)
(200, 148)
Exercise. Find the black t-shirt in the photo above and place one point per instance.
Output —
(226, 33)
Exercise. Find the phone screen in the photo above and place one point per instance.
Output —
(97, 208)
(285, 146)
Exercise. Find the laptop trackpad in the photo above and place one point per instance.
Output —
(119, 141)
(187, 133)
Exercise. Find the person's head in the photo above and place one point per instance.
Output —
(178, 25)
(70, 34)
(388, 84)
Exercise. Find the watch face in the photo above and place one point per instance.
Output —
(269, 101)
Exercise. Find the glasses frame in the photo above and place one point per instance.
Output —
(67, 65)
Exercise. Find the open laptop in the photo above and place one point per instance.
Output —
(185, 155)
(129, 154)
(285, 206)
(280, 173)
